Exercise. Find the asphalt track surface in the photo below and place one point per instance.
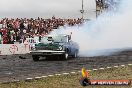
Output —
(20, 67)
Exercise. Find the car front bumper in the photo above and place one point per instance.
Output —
(46, 52)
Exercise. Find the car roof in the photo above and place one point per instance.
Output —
(56, 35)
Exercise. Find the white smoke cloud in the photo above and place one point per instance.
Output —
(110, 32)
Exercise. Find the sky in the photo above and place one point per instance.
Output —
(46, 8)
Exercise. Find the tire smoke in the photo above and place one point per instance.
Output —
(109, 33)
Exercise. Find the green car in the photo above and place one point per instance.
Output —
(60, 46)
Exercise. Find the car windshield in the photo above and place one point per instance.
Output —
(55, 39)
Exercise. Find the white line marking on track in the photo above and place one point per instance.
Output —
(101, 68)
(57, 74)
(73, 72)
(79, 71)
(129, 64)
(50, 75)
(44, 76)
(9, 73)
(108, 67)
(65, 73)
(95, 69)
(123, 65)
(38, 77)
(29, 78)
(116, 66)
(16, 80)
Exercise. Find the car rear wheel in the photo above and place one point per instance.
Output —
(65, 56)
(35, 58)
(75, 55)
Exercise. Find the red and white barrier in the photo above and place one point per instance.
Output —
(9, 49)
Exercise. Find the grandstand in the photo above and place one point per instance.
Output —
(17, 30)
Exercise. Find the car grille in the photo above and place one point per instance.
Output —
(45, 48)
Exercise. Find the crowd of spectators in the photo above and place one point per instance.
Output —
(17, 30)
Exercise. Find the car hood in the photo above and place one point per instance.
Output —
(49, 46)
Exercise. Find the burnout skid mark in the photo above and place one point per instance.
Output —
(13, 49)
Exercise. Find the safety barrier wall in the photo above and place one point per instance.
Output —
(9, 49)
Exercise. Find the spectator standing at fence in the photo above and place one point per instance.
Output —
(5, 39)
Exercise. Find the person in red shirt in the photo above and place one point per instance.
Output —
(4, 31)
(5, 40)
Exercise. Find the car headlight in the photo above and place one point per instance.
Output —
(60, 47)
(33, 47)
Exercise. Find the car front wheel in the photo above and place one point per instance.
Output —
(35, 58)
